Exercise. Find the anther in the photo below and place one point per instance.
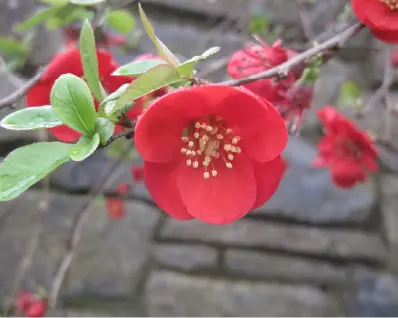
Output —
(184, 139)
(191, 144)
(189, 162)
(206, 175)
(183, 150)
(219, 136)
(228, 165)
(209, 128)
(188, 152)
(205, 163)
(207, 158)
(227, 147)
(197, 125)
(235, 140)
(195, 164)
(196, 135)
(214, 173)
(230, 156)
(228, 130)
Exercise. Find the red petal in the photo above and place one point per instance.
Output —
(261, 128)
(221, 199)
(63, 63)
(319, 162)
(116, 208)
(268, 176)
(160, 180)
(390, 36)
(159, 129)
(376, 14)
(39, 95)
(65, 134)
(346, 173)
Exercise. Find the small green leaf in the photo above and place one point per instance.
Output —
(11, 47)
(105, 128)
(73, 104)
(157, 77)
(86, 2)
(160, 46)
(88, 54)
(27, 165)
(31, 118)
(37, 19)
(121, 21)
(84, 148)
(56, 3)
(110, 101)
(186, 69)
(350, 94)
(137, 68)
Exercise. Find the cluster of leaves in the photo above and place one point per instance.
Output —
(72, 104)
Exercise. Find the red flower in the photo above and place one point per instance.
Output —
(381, 16)
(123, 188)
(211, 152)
(116, 209)
(24, 300)
(347, 151)
(259, 58)
(138, 173)
(36, 309)
(70, 62)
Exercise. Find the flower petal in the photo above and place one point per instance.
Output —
(63, 63)
(268, 176)
(160, 179)
(65, 134)
(221, 199)
(159, 129)
(261, 128)
(39, 95)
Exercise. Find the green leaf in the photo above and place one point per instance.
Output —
(157, 77)
(25, 166)
(137, 68)
(160, 46)
(31, 118)
(84, 148)
(73, 104)
(88, 54)
(105, 129)
(111, 99)
(87, 2)
(37, 19)
(121, 21)
(350, 94)
(186, 69)
(11, 47)
(56, 3)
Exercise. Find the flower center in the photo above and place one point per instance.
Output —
(208, 140)
(350, 148)
(392, 4)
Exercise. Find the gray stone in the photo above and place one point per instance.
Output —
(341, 243)
(185, 257)
(375, 295)
(110, 256)
(389, 208)
(82, 176)
(281, 267)
(308, 194)
(375, 67)
(172, 295)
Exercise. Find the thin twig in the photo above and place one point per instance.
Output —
(77, 229)
(9, 101)
(128, 133)
(334, 43)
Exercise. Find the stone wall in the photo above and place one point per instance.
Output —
(313, 250)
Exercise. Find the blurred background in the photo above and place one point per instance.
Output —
(313, 250)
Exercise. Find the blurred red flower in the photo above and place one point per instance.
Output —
(137, 173)
(24, 300)
(70, 62)
(381, 16)
(36, 309)
(346, 150)
(211, 152)
(115, 207)
(259, 58)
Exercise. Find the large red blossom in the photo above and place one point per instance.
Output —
(211, 152)
(259, 58)
(381, 16)
(70, 62)
(346, 150)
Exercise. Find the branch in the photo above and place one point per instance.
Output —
(334, 43)
(77, 229)
(128, 133)
(22, 91)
